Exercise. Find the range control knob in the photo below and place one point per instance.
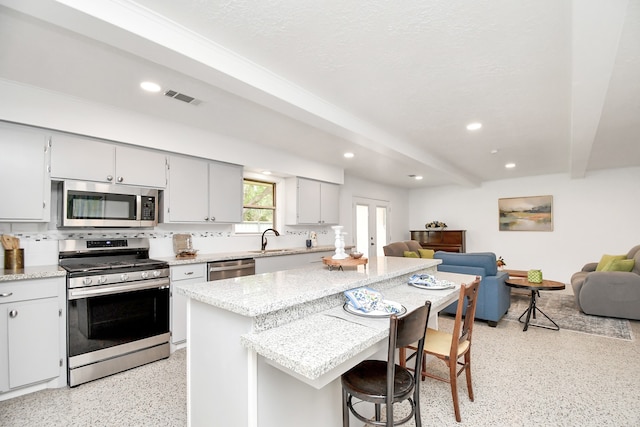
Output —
(87, 281)
(144, 274)
(124, 276)
(156, 273)
(102, 279)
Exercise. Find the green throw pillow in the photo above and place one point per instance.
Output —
(619, 265)
(606, 259)
(410, 254)
(426, 253)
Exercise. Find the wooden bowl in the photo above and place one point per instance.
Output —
(356, 255)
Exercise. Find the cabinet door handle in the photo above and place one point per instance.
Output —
(120, 179)
(13, 313)
(6, 294)
(109, 178)
(188, 273)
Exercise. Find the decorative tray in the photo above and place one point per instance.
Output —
(347, 262)
(187, 254)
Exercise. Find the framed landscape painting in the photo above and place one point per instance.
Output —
(526, 213)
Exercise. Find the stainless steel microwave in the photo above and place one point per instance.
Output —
(90, 204)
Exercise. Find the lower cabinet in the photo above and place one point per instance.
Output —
(183, 274)
(32, 330)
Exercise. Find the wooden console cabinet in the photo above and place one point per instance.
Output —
(441, 240)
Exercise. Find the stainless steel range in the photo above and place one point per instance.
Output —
(117, 306)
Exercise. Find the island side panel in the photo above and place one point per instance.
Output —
(284, 401)
(218, 380)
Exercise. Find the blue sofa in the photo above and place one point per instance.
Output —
(494, 297)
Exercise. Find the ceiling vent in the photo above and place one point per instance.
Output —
(182, 97)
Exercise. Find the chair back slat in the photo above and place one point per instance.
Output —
(465, 314)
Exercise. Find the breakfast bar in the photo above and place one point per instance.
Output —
(268, 350)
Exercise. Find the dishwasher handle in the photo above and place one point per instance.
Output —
(231, 267)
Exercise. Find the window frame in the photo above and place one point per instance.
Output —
(274, 207)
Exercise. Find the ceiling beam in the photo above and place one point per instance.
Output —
(596, 30)
(206, 60)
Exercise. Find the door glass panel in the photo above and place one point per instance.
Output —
(381, 229)
(362, 229)
(370, 218)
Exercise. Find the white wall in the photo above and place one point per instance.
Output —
(592, 216)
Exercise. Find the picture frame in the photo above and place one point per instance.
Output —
(530, 213)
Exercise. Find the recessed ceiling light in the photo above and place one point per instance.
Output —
(494, 151)
(150, 86)
(510, 165)
(418, 177)
(266, 172)
(349, 155)
(474, 126)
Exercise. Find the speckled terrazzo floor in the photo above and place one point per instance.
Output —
(533, 378)
(150, 395)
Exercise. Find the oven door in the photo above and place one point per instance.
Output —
(105, 321)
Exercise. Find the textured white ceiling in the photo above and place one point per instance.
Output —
(554, 82)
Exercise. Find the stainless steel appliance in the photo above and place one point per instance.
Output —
(219, 270)
(117, 306)
(91, 204)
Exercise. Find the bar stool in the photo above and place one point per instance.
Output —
(385, 382)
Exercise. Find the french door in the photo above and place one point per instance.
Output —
(371, 225)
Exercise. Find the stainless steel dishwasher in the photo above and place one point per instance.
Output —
(219, 270)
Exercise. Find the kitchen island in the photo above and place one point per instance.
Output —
(268, 350)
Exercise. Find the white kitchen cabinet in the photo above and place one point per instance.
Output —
(85, 159)
(25, 186)
(183, 274)
(225, 192)
(287, 262)
(203, 191)
(32, 328)
(312, 202)
(136, 166)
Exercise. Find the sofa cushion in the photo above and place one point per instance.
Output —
(625, 265)
(410, 254)
(395, 249)
(413, 245)
(426, 253)
(606, 259)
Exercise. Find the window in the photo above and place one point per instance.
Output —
(259, 207)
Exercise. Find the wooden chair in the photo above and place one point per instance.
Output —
(451, 347)
(384, 382)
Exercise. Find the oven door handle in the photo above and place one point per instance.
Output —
(110, 290)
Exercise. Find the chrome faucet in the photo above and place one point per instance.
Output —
(264, 239)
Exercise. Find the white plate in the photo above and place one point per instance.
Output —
(433, 287)
(375, 313)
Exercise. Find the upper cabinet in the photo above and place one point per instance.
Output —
(84, 159)
(25, 186)
(312, 202)
(202, 191)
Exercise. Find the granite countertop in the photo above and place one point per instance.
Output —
(313, 346)
(43, 271)
(36, 272)
(269, 292)
(223, 256)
